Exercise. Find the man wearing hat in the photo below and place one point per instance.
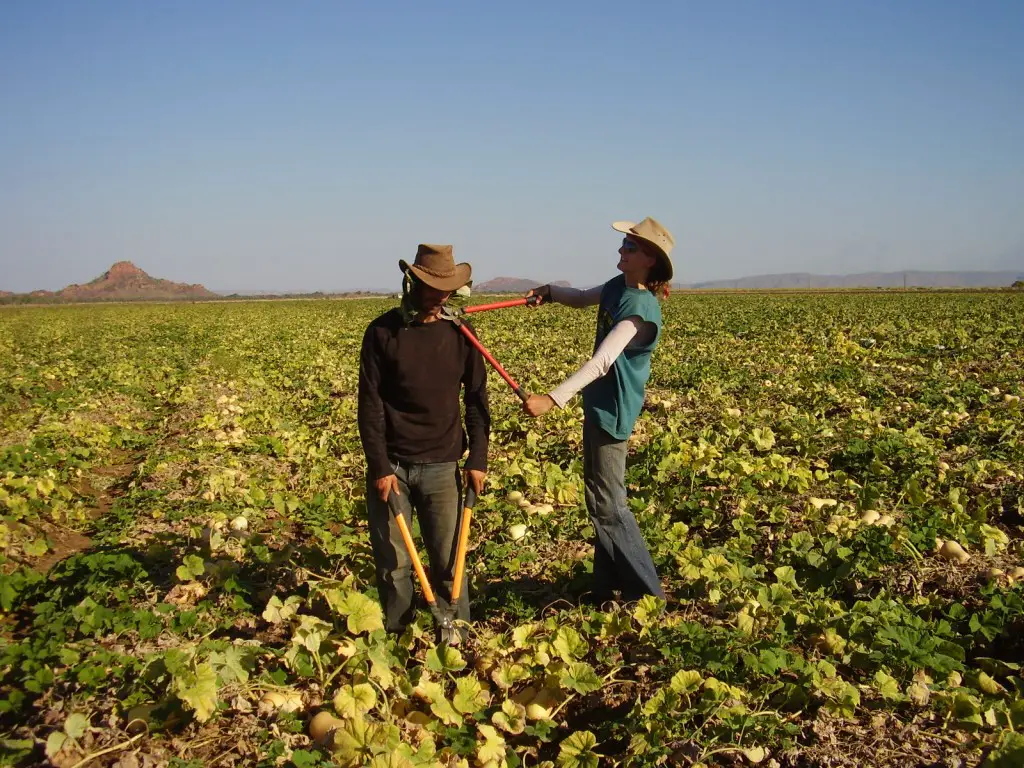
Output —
(613, 382)
(413, 367)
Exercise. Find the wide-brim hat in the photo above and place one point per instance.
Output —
(435, 265)
(653, 233)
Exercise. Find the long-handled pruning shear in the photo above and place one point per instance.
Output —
(447, 632)
(454, 315)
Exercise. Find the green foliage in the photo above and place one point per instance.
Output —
(772, 425)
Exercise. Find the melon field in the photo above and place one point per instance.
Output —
(831, 485)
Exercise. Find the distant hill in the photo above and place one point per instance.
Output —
(122, 282)
(510, 285)
(910, 279)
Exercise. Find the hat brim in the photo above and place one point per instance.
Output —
(626, 228)
(463, 274)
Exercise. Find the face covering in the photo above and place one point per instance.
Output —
(408, 309)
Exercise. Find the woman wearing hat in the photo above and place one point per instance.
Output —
(612, 382)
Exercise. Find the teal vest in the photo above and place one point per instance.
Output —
(614, 400)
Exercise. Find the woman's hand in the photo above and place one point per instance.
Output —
(544, 292)
(538, 405)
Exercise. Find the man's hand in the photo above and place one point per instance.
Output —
(385, 485)
(538, 405)
(475, 480)
(544, 291)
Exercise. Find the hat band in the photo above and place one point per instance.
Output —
(435, 272)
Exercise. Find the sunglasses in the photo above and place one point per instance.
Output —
(629, 245)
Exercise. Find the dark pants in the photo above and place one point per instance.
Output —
(434, 491)
(621, 559)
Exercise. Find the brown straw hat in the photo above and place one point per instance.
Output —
(652, 233)
(435, 265)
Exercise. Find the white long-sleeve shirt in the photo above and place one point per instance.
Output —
(631, 331)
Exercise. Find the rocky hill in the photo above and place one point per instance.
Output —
(122, 282)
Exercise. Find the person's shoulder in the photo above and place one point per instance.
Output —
(387, 322)
(388, 319)
(614, 287)
(618, 282)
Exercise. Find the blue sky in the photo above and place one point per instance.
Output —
(303, 146)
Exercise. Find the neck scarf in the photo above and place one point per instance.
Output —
(408, 309)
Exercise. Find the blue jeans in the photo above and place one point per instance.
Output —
(434, 492)
(621, 559)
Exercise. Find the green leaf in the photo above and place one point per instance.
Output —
(355, 700)
(522, 636)
(439, 703)
(444, 658)
(507, 674)
(364, 614)
(569, 644)
(764, 438)
(577, 751)
(887, 686)
(310, 633)
(192, 567)
(76, 725)
(786, 574)
(511, 718)
(580, 677)
(493, 747)
(648, 610)
(745, 623)
(986, 684)
(686, 681)
(655, 705)
(967, 709)
(36, 547)
(303, 758)
(470, 695)
(351, 743)
(277, 612)
(54, 742)
(844, 698)
(380, 667)
(198, 689)
(1009, 753)
(232, 665)
(392, 760)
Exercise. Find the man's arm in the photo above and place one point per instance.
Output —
(371, 409)
(478, 416)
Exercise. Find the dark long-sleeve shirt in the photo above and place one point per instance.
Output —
(410, 379)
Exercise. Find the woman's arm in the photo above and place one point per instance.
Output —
(604, 356)
(571, 297)
(576, 297)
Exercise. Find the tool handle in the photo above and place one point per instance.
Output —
(494, 363)
(410, 547)
(529, 301)
(460, 553)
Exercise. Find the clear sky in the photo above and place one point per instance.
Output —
(310, 145)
